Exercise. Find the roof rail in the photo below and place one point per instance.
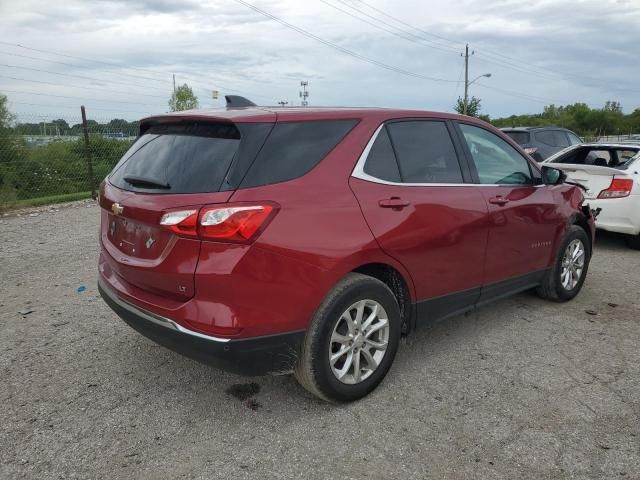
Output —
(238, 101)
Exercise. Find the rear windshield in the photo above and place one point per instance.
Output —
(178, 158)
(521, 138)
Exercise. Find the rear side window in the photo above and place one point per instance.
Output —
(178, 158)
(381, 161)
(425, 152)
(521, 138)
(294, 148)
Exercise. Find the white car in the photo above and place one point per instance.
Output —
(611, 175)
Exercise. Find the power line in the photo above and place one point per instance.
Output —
(80, 98)
(425, 32)
(419, 39)
(78, 76)
(74, 65)
(517, 94)
(500, 59)
(75, 107)
(112, 64)
(341, 49)
(81, 86)
(407, 35)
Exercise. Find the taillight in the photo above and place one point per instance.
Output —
(233, 224)
(239, 223)
(183, 222)
(531, 150)
(620, 187)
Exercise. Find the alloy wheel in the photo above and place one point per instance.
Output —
(572, 264)
(359, 341)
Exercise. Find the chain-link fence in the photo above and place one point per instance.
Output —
(46, 161)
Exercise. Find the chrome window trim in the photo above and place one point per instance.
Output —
(154, 318)
(358, 172)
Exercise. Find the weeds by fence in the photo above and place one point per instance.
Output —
(46, 161)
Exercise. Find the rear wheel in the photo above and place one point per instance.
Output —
(352, 340)
(565, 279)
(633, 241)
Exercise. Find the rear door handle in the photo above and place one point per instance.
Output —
(498, 200)
(393, 202)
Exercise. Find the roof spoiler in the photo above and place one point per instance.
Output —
(238, 101)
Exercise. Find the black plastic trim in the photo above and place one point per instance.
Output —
(273, 354)
(440, 308)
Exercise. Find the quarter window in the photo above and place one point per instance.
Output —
(425, 152)
(573, 139)
(293, 149)
(496, 161)
(381, 161)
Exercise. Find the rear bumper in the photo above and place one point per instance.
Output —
(621, 215)
(248, 356)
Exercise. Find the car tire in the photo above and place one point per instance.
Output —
(559, 283)
(330, 332)
(633, 241)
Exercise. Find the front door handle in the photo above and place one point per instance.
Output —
(393, 202)
(498, 200)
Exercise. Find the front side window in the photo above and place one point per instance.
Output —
(425, 152)
(496, 161)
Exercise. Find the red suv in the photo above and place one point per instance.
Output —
(271, 240)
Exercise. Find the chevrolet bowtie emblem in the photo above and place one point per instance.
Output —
(116, 208)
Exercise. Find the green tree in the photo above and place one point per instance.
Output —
(473, 106)
(5, 115)
(613, 107)
(183, 99)
(12, 152)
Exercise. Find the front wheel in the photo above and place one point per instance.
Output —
(352, 340)
(565, 279)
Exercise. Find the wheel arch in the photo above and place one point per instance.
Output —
(581, 220)
(399, 286)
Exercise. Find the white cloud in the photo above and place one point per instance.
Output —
(561, 51)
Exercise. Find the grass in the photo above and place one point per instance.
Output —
(35, 202)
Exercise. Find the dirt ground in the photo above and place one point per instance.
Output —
(520, 389)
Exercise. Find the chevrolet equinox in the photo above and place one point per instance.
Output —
(270, 240)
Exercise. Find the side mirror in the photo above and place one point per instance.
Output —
(552, 176)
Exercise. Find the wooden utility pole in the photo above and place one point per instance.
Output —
(466, 79)
(87, 151)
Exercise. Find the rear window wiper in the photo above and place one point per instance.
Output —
(145, 182)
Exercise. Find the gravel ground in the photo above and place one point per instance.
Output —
(519, 389)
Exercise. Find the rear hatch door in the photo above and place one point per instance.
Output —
(175, 165)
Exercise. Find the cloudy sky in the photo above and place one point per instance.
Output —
(118, 57)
